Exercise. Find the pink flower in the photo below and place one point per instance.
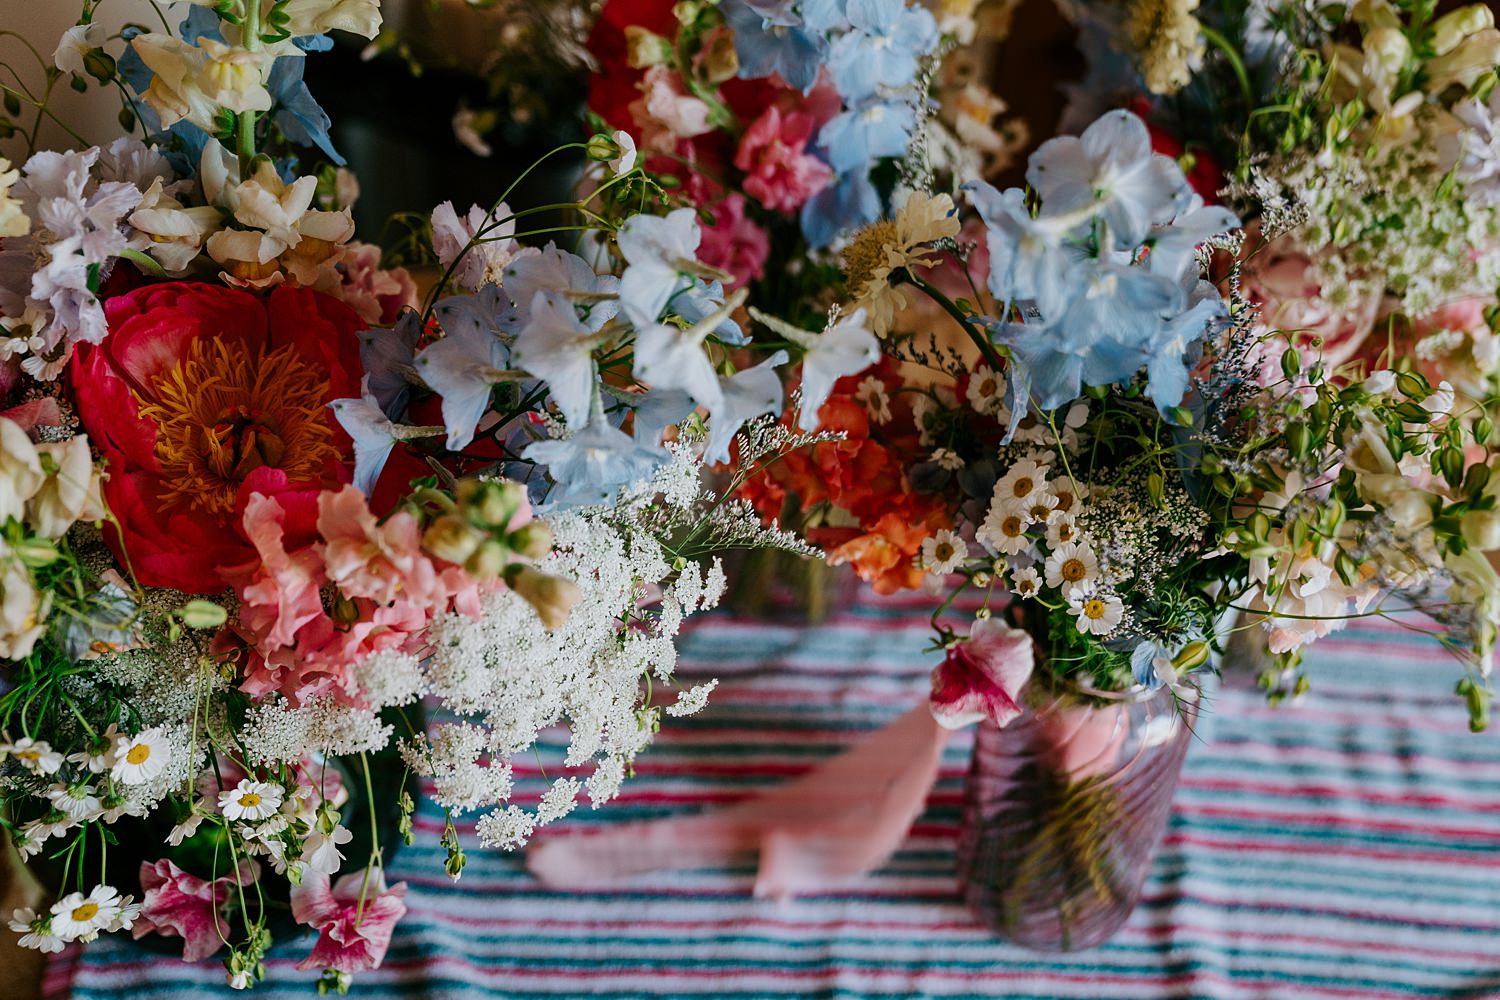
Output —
(982, 676)
(353, 935)
(177, 904)
(734, 243)
(666, 112)
(377, 294)
(368, 559)
(780, 173)
(1283, 282)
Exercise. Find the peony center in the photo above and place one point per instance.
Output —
(224, 411)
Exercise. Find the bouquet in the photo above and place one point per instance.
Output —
(263, 507)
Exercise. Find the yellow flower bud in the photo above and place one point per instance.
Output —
(551, 596)
(452, 538)
(531, 540)
(488, 560)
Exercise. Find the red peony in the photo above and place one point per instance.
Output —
(613, 87)
(200, 395)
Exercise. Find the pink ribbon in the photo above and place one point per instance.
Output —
(842, 818)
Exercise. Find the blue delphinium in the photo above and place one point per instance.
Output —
(850, 202)
(883, 50)
(857, 137)
(770, 38)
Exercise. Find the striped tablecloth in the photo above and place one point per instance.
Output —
(1345, 846)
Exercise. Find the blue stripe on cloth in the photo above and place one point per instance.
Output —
(1345, 846)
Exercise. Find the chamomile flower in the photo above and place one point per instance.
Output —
(185, 829)
(1070, 495)
(142, 757)
(77, 917)
(78, 802)
(1004, 529)
(1025, 582)
(35, 931)
(1062, 529)
(1022, 482)
(250, 800)
(986, 391)
(1072, 565)
(37, 756)
(947, 458)
(1095, 613)
(1042, 508)
(100, 756)
(943, 552)
(877, 402)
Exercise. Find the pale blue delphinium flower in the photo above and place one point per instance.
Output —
(850, 202)
(1112, 170)
(747, 395)
(821, 16)
(1028, 262)
(874, 130)
(658, 252)
(594, 295)
(883, 50)
(1178, 347)
(1172, 248)
(769, 38)
(471, 358)
(373, 433)
(592, 464)
(669, 357)
(844, 348)
(558, 348)
(702, 300)
(655, 412)
(388, 357)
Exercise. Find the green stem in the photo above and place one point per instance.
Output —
(1236, 63)
(980, 340)
(246, 122)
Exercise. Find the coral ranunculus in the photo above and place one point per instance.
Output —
(202, 394)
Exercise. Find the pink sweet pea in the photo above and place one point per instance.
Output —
(780, 173)
(982, 676)
(177, 904)
(352, 937)
(734, 243)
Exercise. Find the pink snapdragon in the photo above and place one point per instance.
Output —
(734, 243)
(780, 173)
(177, 904)
(354, 919)
(983, 675)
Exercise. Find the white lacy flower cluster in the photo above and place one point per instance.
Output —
(509, 679)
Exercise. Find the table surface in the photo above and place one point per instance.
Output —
(1347, 845)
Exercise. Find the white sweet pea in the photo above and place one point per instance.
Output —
(21, 472)
(70, 492)
(75, 44)
(317, 17)
(625, 162)
(320, 852)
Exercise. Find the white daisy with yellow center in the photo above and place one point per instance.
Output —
(1061, 530)
(142, 757)
(36, 756)
(1022, 482)
(943, 553)
(1004, 529)
(1025, 582)
(250, 800)
(1095, 612)
(77, 917)
(877, 402)
(1072, 565)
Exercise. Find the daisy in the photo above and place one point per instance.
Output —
(943, 552)
(1062, 529)
(871, 392)
(1023, 481)
(1070, 566)
(185, 829)
(986, 391)
(80, 918)
(947, 458)
(250, 800)
(924, 410)
(1042, 508)
(1096, 614)
(35, 931)
(37, 756)
(98, 757)
(78, 802)
(1004, 529)
(142, 757)
(1070, 496)
(1025, 582)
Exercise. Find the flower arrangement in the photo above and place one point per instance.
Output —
(262, 503)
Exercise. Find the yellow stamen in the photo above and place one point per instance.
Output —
(138, 754)
(1094, 608)
(1074, 570)
(85, 912)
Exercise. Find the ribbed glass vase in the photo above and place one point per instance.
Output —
(1064, 808)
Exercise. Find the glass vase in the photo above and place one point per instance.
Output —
(1064, 808)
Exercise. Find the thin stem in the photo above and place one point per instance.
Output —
(1235, 62)
(979, 338)
(246, 122)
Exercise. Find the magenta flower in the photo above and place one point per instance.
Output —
(734, 243)
(352, 937)
(177, 904)
(780, 173)
(982, 676)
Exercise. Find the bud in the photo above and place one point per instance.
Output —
(551, 596)
(202, 614)
(1191, 656)
(644, 49)
(1388, 49)
(451, 538)
(36, 552)
(488, 561)
(1291, 363)
(602, 148)
(1452, 28)
(531, 540)
(717, 60)
(490, 502)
